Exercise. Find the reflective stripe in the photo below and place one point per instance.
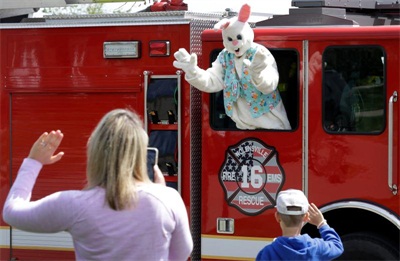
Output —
(4, 237)
(27, 240)
(231, 248)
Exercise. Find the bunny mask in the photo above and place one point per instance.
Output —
(236, 32)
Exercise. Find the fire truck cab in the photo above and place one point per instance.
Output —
(339, 81)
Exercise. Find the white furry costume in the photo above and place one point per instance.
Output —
(247, 73)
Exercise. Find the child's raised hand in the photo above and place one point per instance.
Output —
(315, 216)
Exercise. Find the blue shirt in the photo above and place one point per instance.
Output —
(304, 247)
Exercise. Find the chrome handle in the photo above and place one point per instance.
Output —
(392, 187)
(179, 82)
(146, 85)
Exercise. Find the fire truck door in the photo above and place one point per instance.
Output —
(353, 121)
(243, 170)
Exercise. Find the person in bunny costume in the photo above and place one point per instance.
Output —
(245, 71)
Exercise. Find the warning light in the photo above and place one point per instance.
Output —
(159, 48)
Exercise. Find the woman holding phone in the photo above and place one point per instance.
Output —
(120, 214)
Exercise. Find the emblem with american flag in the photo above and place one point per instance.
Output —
(251, 176)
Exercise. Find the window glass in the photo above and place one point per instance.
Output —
(353, 89)
(287, 62)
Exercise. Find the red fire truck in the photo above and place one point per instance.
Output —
(339, 81)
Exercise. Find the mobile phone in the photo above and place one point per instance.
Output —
(152, 159)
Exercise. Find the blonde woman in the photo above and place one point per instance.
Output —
(121, 214)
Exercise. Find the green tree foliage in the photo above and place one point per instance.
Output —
(75, 10)
(100, 8)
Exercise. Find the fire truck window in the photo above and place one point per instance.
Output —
(353, 89)
(287, 61)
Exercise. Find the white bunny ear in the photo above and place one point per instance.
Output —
(222, 24)
(244, 13)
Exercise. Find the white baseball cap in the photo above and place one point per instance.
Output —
(292, 198)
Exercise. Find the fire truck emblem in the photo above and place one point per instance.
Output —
(251, 176)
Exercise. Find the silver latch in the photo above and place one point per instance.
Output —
(225, 225)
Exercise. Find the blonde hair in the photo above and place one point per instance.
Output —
(116, 157)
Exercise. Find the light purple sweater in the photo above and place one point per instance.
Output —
(156, 229)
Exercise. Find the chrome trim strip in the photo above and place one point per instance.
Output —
(305, 118)
(393, 218)
(179, 119)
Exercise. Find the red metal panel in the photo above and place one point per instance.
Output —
(73, 57)
(42, 255)
(340, 167)
(57, 78)
(314, 33)
(349, 166)
(75, 115)
(287, 144)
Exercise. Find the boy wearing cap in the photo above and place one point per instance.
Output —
(293, 210)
